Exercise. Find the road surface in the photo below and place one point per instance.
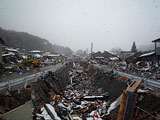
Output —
(13, 83)
(21, 113)
(33, 71)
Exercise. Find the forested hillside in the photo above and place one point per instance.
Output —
(23, 40)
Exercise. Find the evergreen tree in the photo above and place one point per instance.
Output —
(134, 48)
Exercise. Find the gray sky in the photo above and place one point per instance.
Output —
(77, 23)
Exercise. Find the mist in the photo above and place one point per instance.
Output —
(77, 23)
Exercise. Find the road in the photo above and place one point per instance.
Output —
(33, 71)
(21, 113)
(20, 81)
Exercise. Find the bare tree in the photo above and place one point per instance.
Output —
(116, 51)
(80, 52)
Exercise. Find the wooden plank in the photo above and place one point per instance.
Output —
(131, 88)
(134, 85)
(122, 106)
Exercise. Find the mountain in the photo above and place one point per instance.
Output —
(23, 40)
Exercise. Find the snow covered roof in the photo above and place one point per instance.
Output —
(99, 57)
(37, 55)
(35, 51)
(157, 40)
(11, 49)
(8, 54)
(147, 54)
(24, 57)
(53, 55)
(114, 58)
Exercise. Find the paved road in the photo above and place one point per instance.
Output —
(20, 81)
(33, 71)
(21, 113)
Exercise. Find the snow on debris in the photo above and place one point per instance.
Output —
(147, 54)
(44, 114)
(88, 97)
(112, 106)
(51, 108)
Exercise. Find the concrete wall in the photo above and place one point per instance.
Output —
(0, 52)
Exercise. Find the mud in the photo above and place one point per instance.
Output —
(109, 83)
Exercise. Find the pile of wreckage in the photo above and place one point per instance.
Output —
(13, 99)
(78, 91)
(16, 62)
(78, 99)
(145, 69)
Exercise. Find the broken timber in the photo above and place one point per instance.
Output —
(123, 101)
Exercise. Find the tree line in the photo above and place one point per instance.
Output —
(27, 42)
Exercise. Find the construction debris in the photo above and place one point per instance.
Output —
(81, 99)
(78, 91)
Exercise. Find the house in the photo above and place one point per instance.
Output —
(36, 53)
(105, 55)
(52, 56)
(11, 50)
(157, 48)
(125, 54)
(149, 56)
(133, 58)
(1, 44)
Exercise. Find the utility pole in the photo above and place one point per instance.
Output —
(91, 49)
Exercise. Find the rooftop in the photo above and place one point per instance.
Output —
(147, 54)
(35, 51)
(157, 40)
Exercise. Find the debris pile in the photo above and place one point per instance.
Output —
(147, 69)
(15, 62)
(79, 100)
(78, 91)
(87, 94)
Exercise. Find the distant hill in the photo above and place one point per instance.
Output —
(23, 40)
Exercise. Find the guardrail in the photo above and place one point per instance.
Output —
(25, 80)
(147, 82)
